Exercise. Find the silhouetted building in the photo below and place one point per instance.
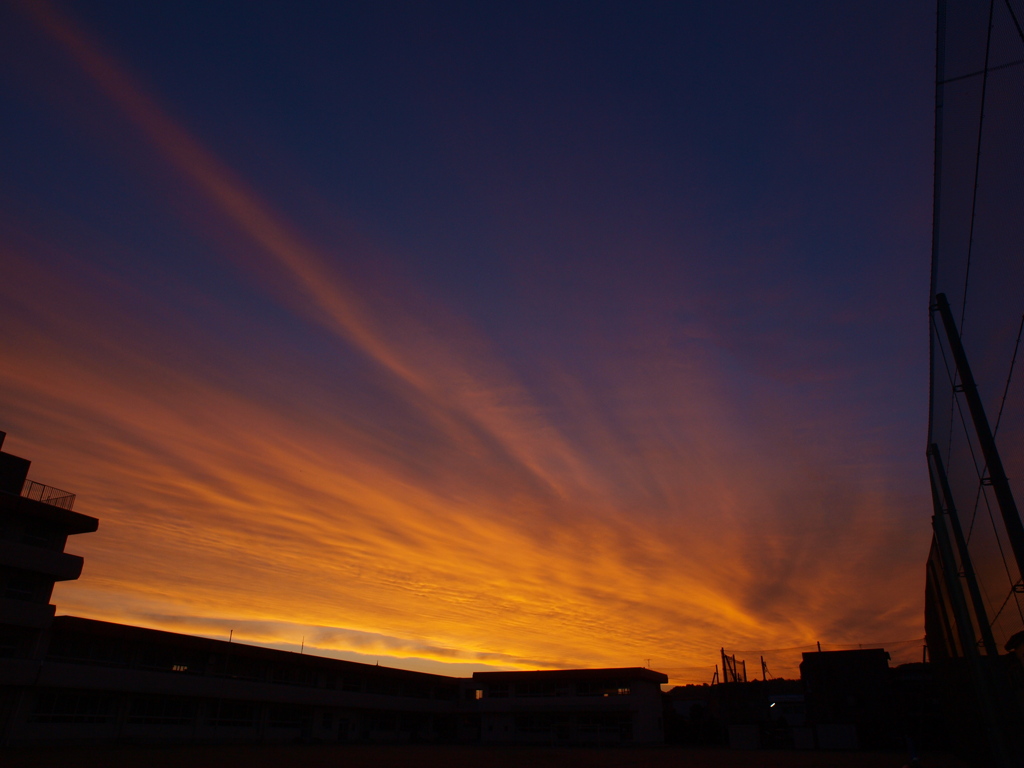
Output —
(35, 522)
(99, 680)
(848, 696)
(758, 714)
(571, 706)
(844, 700)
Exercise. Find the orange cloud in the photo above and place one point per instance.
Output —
(240, 509)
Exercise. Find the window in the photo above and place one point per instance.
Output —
(446, 692)
(241, 667)
(534, 724)
(36, 535)
(382, 686)
(15, 642)
(352, 683)
(162, 710)
(20, 587)
(605, 726)
(536, 688)
(59, 706)
(291, 675)
(88, 649)
(603, 688)
(232, 713)
(166, 658)
(288, 716)
(383, 721)
(416, 690)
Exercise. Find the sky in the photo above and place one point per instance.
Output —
(463, 336)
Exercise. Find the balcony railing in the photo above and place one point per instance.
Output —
(47, 494)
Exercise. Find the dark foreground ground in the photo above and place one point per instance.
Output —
(475, 756)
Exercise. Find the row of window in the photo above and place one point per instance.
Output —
(24, 585)
(70, 706)
(98, 650)
(35, 533)
(609, 725)
(535, 688)
(16, 642)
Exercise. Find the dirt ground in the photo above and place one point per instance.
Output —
(431, 756)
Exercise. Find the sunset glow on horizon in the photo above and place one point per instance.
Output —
(401, 385)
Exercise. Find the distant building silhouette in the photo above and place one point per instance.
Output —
(845, 700)
(849, 698)
(591, 706)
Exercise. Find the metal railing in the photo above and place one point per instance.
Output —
(47, 494)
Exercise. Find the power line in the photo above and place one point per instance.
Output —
(1009, 376)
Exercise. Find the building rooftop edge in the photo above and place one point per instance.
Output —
(112, 628)
(625, 672)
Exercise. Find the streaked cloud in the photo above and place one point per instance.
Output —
(384, 478)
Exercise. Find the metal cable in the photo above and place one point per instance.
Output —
(980, 474)
(1007, 600)
(977, 162)
(1009, 376)
(1016, 23)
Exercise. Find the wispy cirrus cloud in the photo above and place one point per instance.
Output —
(390, 480)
